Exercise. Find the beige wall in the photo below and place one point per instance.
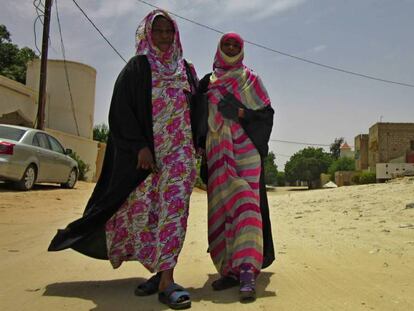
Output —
(389, 141)
(361, 152)
(343, 178)
(99, 160)
(86, 149)
(16, 97)
(60, 114)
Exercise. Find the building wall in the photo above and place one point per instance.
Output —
(346, 153)
(99, 160)
(361, 152)
(86, 149)
(388, 141)
(60, 114)
(343, 178)
(17, 100)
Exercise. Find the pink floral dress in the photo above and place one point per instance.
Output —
(151, 225)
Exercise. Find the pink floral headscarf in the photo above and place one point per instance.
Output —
(168, 65)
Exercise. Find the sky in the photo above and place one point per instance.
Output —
(312, 104)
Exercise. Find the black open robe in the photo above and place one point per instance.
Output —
(258, 126)
(130, 123)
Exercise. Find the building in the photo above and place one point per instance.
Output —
(345, 151)
(68, 115)
(361, 152)
(387, 143)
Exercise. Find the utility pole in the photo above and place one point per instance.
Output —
(43, 67)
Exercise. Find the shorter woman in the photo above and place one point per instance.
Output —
(239, 125)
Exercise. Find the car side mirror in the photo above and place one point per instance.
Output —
(68, 151)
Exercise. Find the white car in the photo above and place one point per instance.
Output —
(29, 156)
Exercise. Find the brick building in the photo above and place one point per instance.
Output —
(386, 142)
(361, 152)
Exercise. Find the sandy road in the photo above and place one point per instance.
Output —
(350, 248)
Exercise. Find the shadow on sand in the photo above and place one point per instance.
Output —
(9, 187)
(119, 294)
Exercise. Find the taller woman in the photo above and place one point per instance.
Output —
(239, 126)
(139, 208)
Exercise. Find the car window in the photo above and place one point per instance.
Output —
(56, 146)
(42, 140)
(35, 141)
(11, 133)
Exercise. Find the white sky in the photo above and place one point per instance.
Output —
(312, 104)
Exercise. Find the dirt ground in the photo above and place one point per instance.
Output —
(349, 248)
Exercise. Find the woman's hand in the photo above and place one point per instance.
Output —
(145, 160)
(231, 108)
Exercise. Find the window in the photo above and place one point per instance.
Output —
(412, 145)
(42, 140)
(56, 146)
(35, 141)
(11, 133)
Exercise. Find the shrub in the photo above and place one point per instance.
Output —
(367, 178)
(82, 166)
(342, 164)
(356, 178)
(281, 180)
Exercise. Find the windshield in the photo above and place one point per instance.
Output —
(11, 133)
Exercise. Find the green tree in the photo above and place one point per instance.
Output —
(336, 147)
(270, 168)
(342, 164)
(281, 179)
(307, 165)
(101, 132)
(13, 61)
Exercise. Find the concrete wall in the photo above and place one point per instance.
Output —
(60, 114)
(99, 160)
(86, 149)
(17, 103)
(361, 152)
(389, 141)
(343, 178)
(325, 178)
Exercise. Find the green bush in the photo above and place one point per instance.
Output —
(341, 164)
(356, 178)
(82, 166)
(367, 178)
(281, 179)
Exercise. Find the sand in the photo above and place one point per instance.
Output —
(349, 248)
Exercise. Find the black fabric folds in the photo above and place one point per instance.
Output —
(130, 123)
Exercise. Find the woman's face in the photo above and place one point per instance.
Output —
(231, 47)
(162, 33)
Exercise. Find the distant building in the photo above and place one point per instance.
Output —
(387, 143)
(361, 152)
(345, 151)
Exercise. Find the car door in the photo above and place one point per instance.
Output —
(44, 154)
(61, 163)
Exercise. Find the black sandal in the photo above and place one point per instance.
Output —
(148, 287)
(175, 296)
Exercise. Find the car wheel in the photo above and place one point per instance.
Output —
(29, 178)
(73, 177)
